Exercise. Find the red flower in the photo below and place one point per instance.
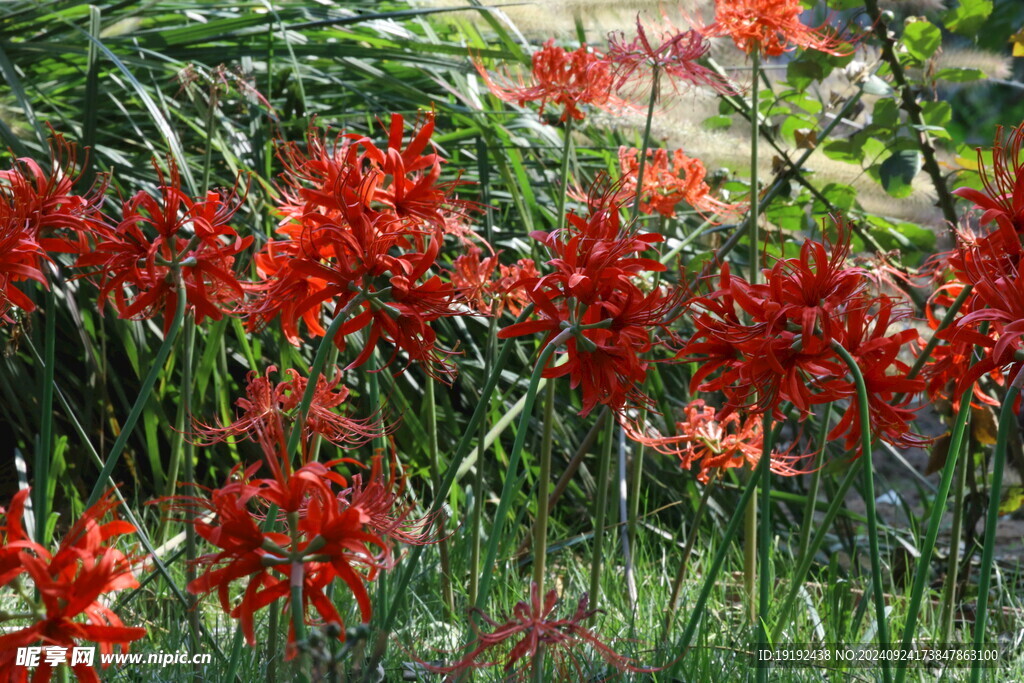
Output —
(21, 258)
(592, 290)
(1003, 198)
(473, 278)
(560, 77)
(864, 335)
(140, 260)
(268, 411)
(70, 584)
(665, 185)
(770, 27)
(782, 346)
(364, 222)
(532, 625)
(330, 529)
(675, 56)
(45, 200)
(711, 443)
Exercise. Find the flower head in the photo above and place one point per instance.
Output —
(71, 584)
(561, 77)
(708, 443)
(770, 27)
(670, 180)
(168, 245)
(530, 626)
(674, 55)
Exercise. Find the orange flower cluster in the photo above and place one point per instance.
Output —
(770, 27)
(705, 442)
(561, 77)
(669, 182)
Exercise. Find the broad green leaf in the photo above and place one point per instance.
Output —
(922, 39)
(968, 17)
(897, 172)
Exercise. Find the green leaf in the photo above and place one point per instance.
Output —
(850, 150)
(800, 73)
(874, 85)
(897, 172)
(922, 39)
(968, 17)
(886, 114)
(788, 217)
(716, 122)
(936, 113)
(958, 75)
(841, 196)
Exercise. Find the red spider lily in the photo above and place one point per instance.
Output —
(995, 303)
(363, 227)
(332, 177)
(885, 376)
(473, 278)
(1003, 198)
(21, 258)
(139, 261)
(330, 529)
(268, 411)
(676, 57)
(770, 27)
(949, 363)
(70, 583)
(592, 291)
(709, 443)
(531, 626)
(560, 77)
(45, 200)
(666, 184)
(781, 347)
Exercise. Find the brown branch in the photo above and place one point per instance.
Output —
(910, 105)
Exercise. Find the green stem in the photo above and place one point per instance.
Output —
(765, 540)
(460, 454)
(316, 369)
(812, 494)
(187, 451)
(938, 508)
(44, 447)
(298, 610)
(435, 477)
(642, 161)
(750, 533)
(755, 121)
(540, 531)
(947, 607)
(512, 474)
(691, 538)
(600, 508)
(869, 501)
(1006, 418)
(145, 393)
(562, 191)
(478, 473)
(698, 612)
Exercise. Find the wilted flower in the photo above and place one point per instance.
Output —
(675, 57)
(531, 626)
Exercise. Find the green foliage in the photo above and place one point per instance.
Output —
(921, 38)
